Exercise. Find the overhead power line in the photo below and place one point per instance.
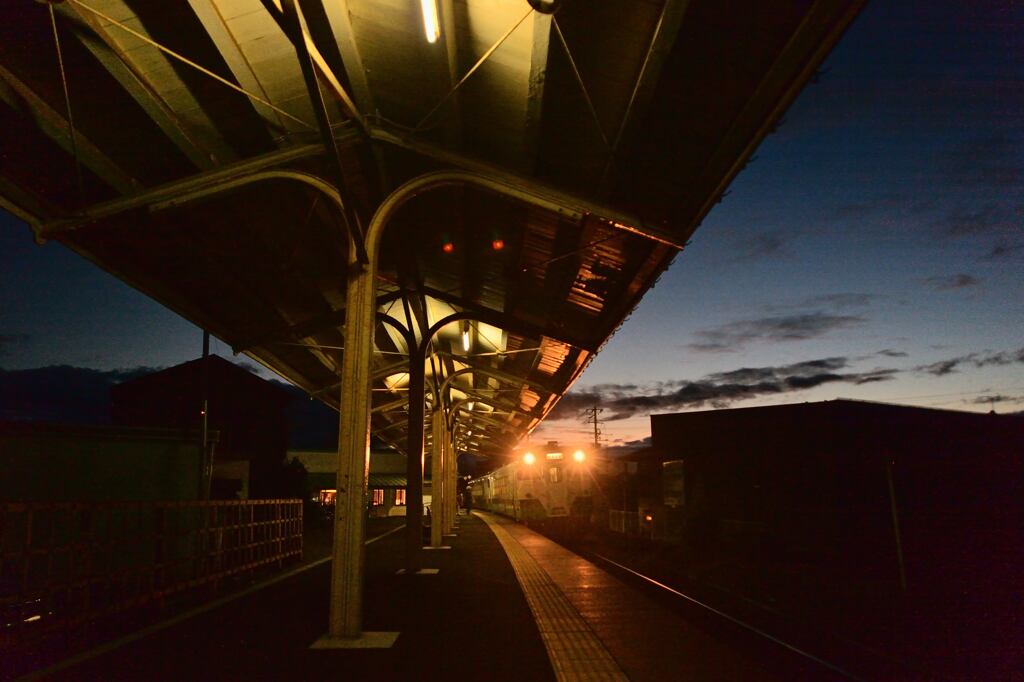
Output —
(593, 417)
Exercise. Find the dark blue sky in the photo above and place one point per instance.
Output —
(874, 250)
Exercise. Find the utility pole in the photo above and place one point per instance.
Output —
(592, 418)
(207, 460)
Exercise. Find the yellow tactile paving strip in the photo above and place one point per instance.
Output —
(575, 651)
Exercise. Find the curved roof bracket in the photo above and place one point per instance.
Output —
(494, 374)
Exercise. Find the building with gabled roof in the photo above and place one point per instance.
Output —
(247, 412)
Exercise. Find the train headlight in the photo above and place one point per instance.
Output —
(529, 458)
(579, 456)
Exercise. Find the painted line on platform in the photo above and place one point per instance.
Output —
(382, 535)
(575, 651)
(181, 617)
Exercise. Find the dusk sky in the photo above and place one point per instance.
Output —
(873, 250)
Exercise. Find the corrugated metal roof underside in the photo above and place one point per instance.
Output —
(642, 108)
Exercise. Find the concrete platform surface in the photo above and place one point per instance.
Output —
(469, 621)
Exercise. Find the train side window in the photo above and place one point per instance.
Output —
(555, 474)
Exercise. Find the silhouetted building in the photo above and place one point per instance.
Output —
(852, 488)
(386, 486)
(247, 412)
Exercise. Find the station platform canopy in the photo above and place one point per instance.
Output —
(542, 162)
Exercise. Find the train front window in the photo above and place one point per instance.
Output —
(555, 474)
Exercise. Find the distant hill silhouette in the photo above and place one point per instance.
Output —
(60, 393)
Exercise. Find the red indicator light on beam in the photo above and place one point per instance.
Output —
(498, 244)
(448, 247)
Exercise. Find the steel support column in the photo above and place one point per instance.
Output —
(451, 480)
(437, 496)
(346, 614)
(445, 475)
(414, 441)
(414, 463)
(445, 468)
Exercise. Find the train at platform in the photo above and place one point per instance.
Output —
(551, 489)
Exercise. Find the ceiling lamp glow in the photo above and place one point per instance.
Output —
(431, 25)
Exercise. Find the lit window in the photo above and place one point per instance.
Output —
(327, 497)
(399, 497)
(378, 497)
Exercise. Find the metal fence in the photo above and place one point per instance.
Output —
(67, 568)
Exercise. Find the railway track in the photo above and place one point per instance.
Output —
(795, 651)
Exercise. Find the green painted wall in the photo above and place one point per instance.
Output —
(61, 463)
